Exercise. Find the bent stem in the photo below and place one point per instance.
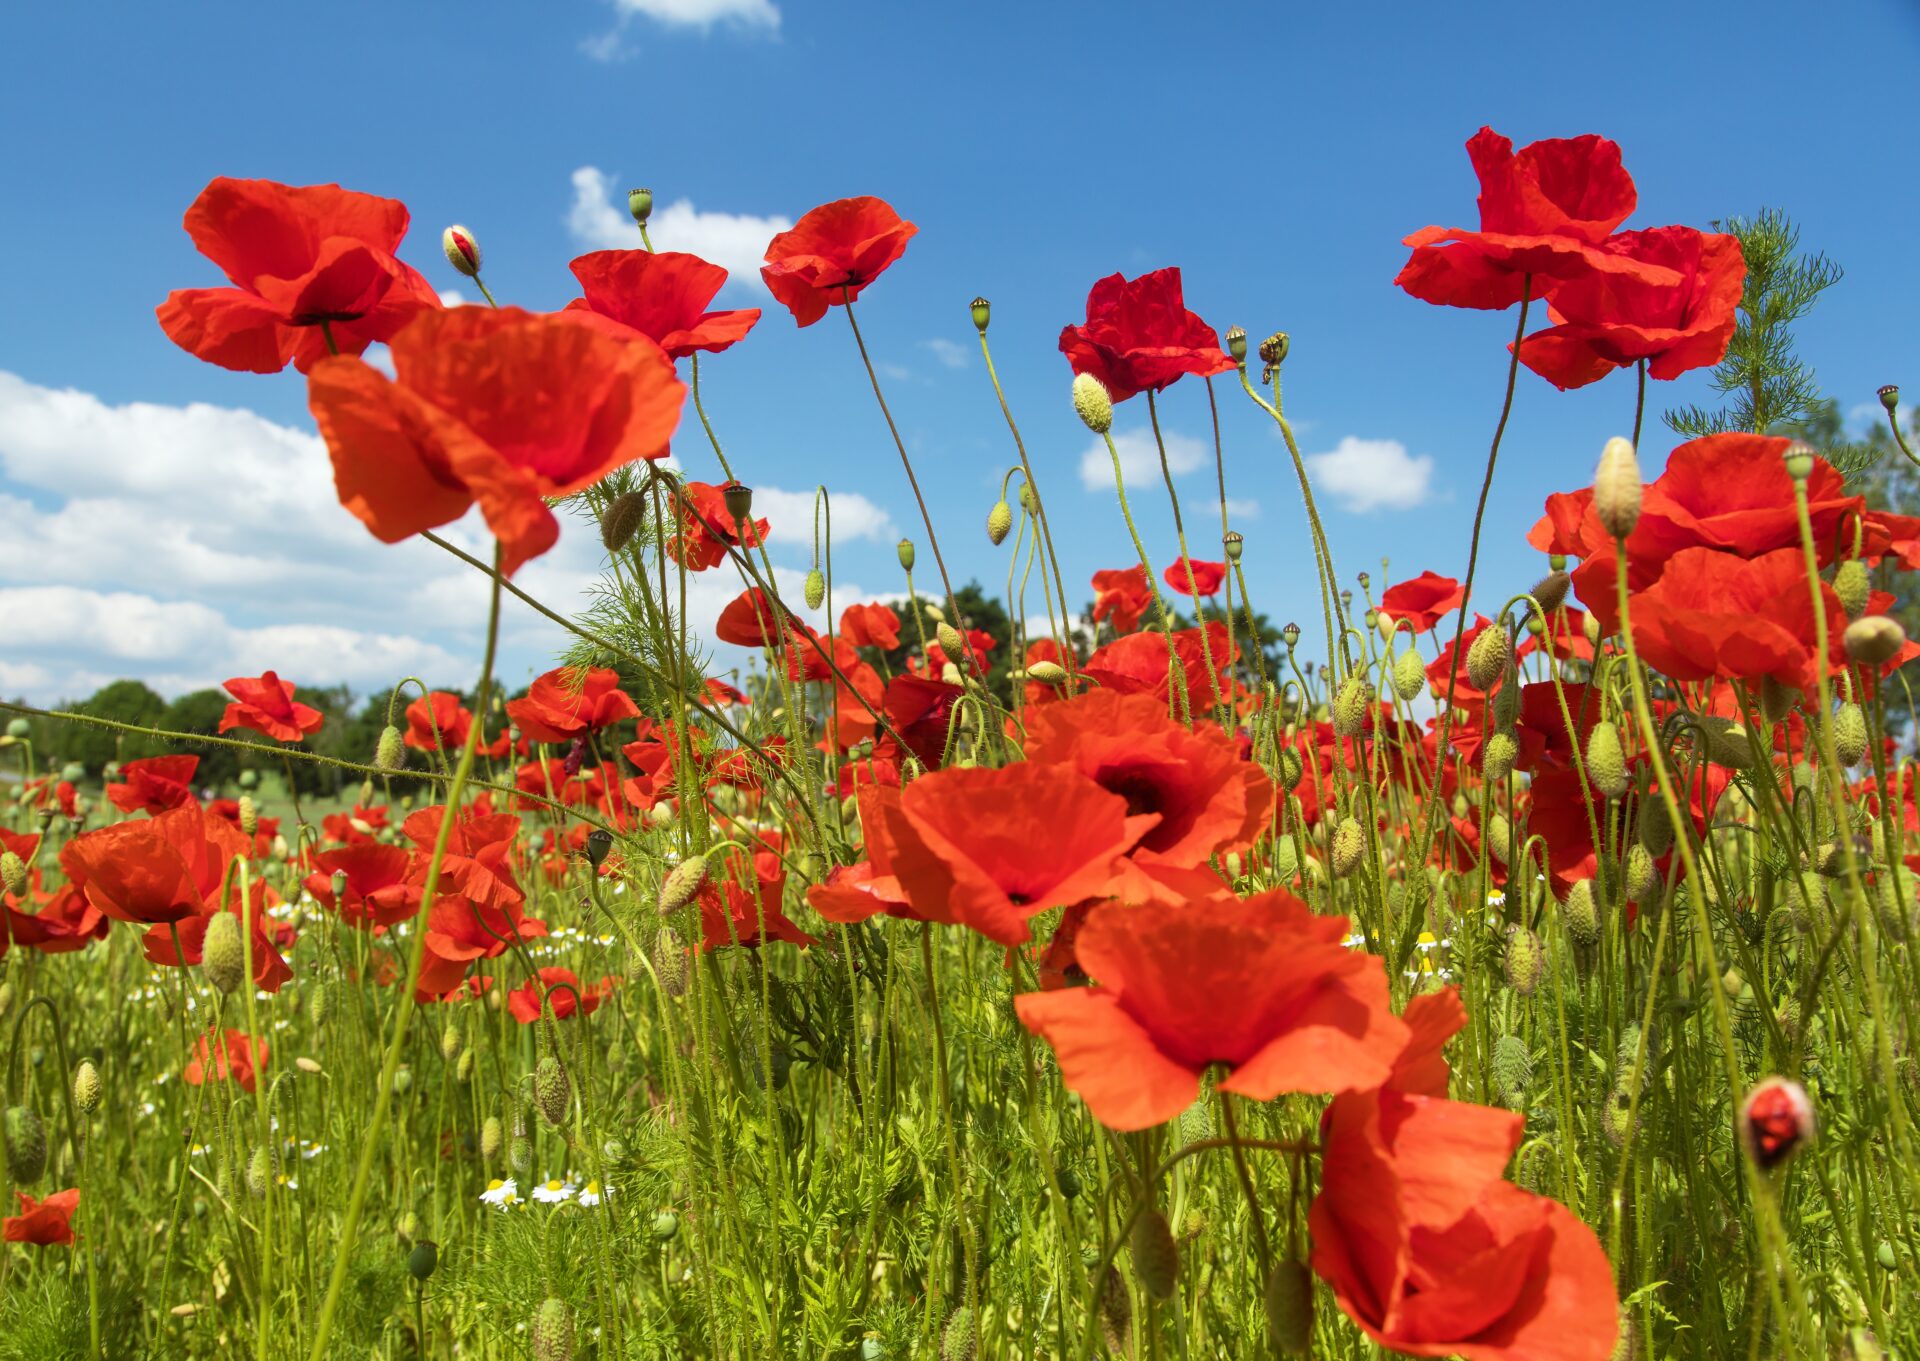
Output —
(403, 1010)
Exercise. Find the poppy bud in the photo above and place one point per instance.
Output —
(492, 1136)
(1487, 658)
(599, 846)
(739, 499)
(1799, 457)
(1850, 734)
(1047, 673)
(463, 1070)
(666, 1224)
(1522, 961)
(1499, 837)
(1512, 1070)
(905, 550)
(1590, 628)
(1606, 762)
(391, 752)
(552, 1331)
(1237, 344)
(1874, 639)
(249, 817)
(423, 1260)
(260, 1172)
(26, 1144)
(1116, 1312)
(1551, 590)
(1349, 845)
(19, 729)
(1580, 915)
(1776, 1121)
(407, 1227)
(452, 1041)
(1642, 877)
(552, 1090)
(1777, 700)
(959, 1340)
(320, 1004)
(463, 252)
(1091, 401)
(999, 523)
(1288, 1300)
(950, 640)
(982, 314)
(1409, 676)
(1290, 770)
(222, 953)
(1273, 350)
(1350, 706)
(640, 204)
(678, 888)
(13, 873)
(815, 590)
(1156, 1257)
(621, 520)
(950, 674)
(86, 1087)
(1498, 756)
(520, 1154)
(1616, 488)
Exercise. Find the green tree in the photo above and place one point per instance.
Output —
(124, 701)
(200, 711)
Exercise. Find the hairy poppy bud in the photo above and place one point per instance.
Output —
(1047, 673)
(552, 1331)
(1580, 915)
(1777, 700)
(463, 252)
(452, 1041)
(1288, 1301)
(1409, 675)
(1290, 770)
(640, 204)
(678, 888)
(621, 520)
(959, 1340)
(1487, 657)
(670, 961)
(26, 1144)
(1874, 639)
(1606, 761)
(1522, 961)
(1499, 837)
(739, 501)
(950, 640)
(1799, 457)
(260, 1172)
(423, 1260)
(1156, 1257)
(1237, 344)
(1498, 756)
(1350, 706)
(391, 751)
(1616, 488)
(19, 729)
(950, 674)
(223, 954)
(982, 314)
(492, 1136)
(666, 1224)
(1349, 845)
(1642, 877)
(249, 817)
(1850, 734)
(999, 523)
(905, 551)
(13, 873)
(552, 1090)
(1551, 590)
(1776, 1121)
(1512, 1069)
(520, 1154)
(1590, 629)
(1116, 1312)
(1091, 401)
(815, 589)
(1853, 585)
(86, 1087)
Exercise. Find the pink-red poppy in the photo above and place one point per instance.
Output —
(1123, 595)
(707, 529)
(230, 1056)
(1205, 577)
(663, 296)
(154, 784)
(566, 703)
(43, 1223)
(561, 993)
(831, 254)
(1140, 337)
(1423, 601)
(265, 703)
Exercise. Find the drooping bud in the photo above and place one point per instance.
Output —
(222, 953)
(1522, 961)
(25, 1138)
(452, 1041)
(640, 204)
(1047, 673)
(391, 752)
(1409, 675)
(463, 252)
(260, 1172)
(1498, 756)
(1776, 1121)
(1580, 915)
(1499, 842)
(1237, 344)
(1350, 706)
(1850, 734)
(666, 1224)
(959, 1340)
(1874, 639)
(13, 873)
(1288, 1301)
(520, 1154)
(670, 961)
(1799, 456)
(86, 1087)
(739, 501)
(678, 888)
(1642, 877)
(1349, 846)
(1606, 761)
(1091, 401)
(1551, 590)
(622, 519)
(1156, 1257)
(1512, 1070)
(905, 551)
(1116, 1313)
(999, 523)
(552, 1331)
(1487, 657)
(1291, 769)
(1655, 828)
(1616, 488)
(1853, 585)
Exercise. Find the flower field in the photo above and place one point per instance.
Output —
(1507, 970)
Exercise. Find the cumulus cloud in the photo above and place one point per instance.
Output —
(1365, 475)
(789, 516)
(704, 14)
(1139, 458)
(1238, 508)
(950, 354)
(735, 241)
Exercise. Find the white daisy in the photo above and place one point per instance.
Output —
(505, 1194)
(553, 1190)
(592, 1193)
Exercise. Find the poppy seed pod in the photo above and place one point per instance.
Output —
(1853, 585)
(678, 888)
(1237, 344)
(1616, 488)
(1850, 734)
(13, 873)
(1349, 846)
(1156, 1257)
(1498, 756)
(1091, 402)
(86, 1087)
(904, 549)
(1776, 1121)
(1350, 706)
(1487, 657)
(26, 1144)
(1273, 350)
(1551, 590)
(622, 518)
(959, 1340)
(1890, 396)
(1288, 1301)
(1522, 961)
(463, 252)
(1874, 639)
(552, 1090)
(739, 501)
(640, 204)
(423, 1260)
(222, 953)
(552, 1331)
(982, 314)
(1409, 675)
(1580, 915)
(1290, 634)
(1606, 760)
(1047, 673)
(391, 752)
(1799, 456)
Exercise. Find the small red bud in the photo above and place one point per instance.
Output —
(1776, 1121)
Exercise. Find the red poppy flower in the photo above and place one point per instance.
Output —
(1545, 210)
(1207, 577)
(154, 784)
(1123, 593)
(65, 922)
(1431, 1019)
(563, 704)
(44, 1223)
(853, 893)
(297, 257)
(1260, 984)
(376, 892)
(525, 1001)
(872, 625)
(1606, 321)
(751, 619)
(707, 528)
(265, 703)
(748, 916)
(438, 722)
(661, 296)
(356, 827)
(1207, 799)
(719, 692)
(831, 254)
(1433, 1254)
(230, 1056)
(1137, 663)
(163, 870)
(500, 408)
(1422, 601)
(921, 712)
(964, 847)
(1139, 336)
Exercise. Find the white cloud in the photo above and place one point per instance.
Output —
(789, 516)
(704, 14)
(950, 354)
(1238, 508)
(1139, 458)
(1365, 475)
(737, 242)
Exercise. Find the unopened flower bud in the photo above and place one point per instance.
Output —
(552, 1090)
(1590, 629)
(1047, 673)
(621, 520)
(552, 1331)
(260, 1172)
(1776, 1121)
(1616, 488)
(1551, 590)
(1606, 760)
(223, 953)
(739, 500)
(1350, 706)
(1874, 639)
(25, 1139)
(1512, 1070)
(982, 314)
(13, 873)
(678, 888)
(1850, 734)
(960, 1338)
(1288, 1301)
(640, 204)
(999, 523)
(1853, 585)
(1580, 915)
(1487, 657)
(249, 817)
(905, 550)
(1091, 401)
(950, 640)
(520, 1154)
(391, 752)
(1799, 456)
(815, 589)
(463, 252)
(1642, 878)
(423, 1259)
(1409, 675)
(86, 1087)
(1522, 961)
(1290, 770)
(1156, 1258)
(1349, 846)
(1498, 756)
(492, 1136)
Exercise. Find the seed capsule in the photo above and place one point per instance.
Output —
(640, 204)
(982, 314)
(423, 1260)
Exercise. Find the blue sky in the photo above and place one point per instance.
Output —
(1277, 154)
